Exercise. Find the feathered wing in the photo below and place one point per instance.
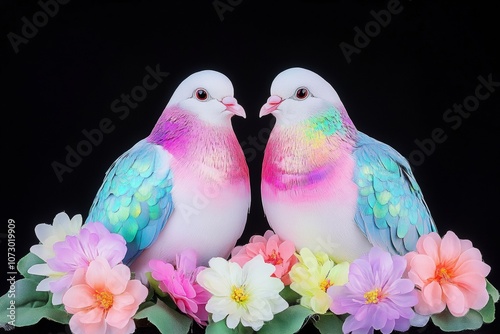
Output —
(135, 198)
(391, 209)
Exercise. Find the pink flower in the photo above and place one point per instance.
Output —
(180, 283)
(448, 272)
(103, 299)
(75, 252)
(281, 254)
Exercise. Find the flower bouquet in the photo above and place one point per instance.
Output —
(76, 276)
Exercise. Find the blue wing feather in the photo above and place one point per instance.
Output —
(391, 210)
(135, 198)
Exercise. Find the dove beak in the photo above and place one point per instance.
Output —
(271, 105)
(233, 106)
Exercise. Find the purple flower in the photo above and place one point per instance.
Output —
(77, 252)
(376, 297)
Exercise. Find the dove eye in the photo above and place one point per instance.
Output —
(201, 94)
(301, 93)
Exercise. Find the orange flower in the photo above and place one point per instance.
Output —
(448, 272)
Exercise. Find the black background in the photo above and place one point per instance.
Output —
(63, 80)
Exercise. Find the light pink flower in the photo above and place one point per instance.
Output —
(448, 272)
(103, 299)
(279, 253)
(180, 283)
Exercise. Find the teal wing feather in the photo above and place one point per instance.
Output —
(135, 198)
(391, 210)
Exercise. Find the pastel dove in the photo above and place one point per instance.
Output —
(186, 185)
(329, 187)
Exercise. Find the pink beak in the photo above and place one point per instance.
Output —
(233, 106)
(272, 104)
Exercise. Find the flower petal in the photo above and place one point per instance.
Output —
(429, 245)
(232, 320)
(78, 327)
(117, 279)
(97, 272)
(118, 317)
(455, 300)
(79, 297)
(450, 247)
(42, 251)
(41, 269)
(423, 268)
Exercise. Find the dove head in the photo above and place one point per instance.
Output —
(297, 94)
(208, 95)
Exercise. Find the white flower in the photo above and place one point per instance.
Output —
(61, 227)
(248, 295)
(48, 235)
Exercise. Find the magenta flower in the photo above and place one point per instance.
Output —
(448, 272)
(279, 253)
(376, 296)
(77, 252)
(103, 299)
(180, 283)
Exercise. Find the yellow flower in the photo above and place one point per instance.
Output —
(313, 275)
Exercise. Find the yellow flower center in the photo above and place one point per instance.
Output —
(104, 299)
(239, 295)
(325, 284)
(373, 296)
(274, 258)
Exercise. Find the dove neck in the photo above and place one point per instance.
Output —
(304, 156)
(192, 142)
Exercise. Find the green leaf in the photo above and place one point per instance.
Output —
(492, 291)
(328, 323)
(220, 327)
(156, 291)
(25, 306)
(289, 295)
(449, 323)
(165, 318)
(155, 285)
(290, 320)
(146, 304)
(488, 312)
(26, 262)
